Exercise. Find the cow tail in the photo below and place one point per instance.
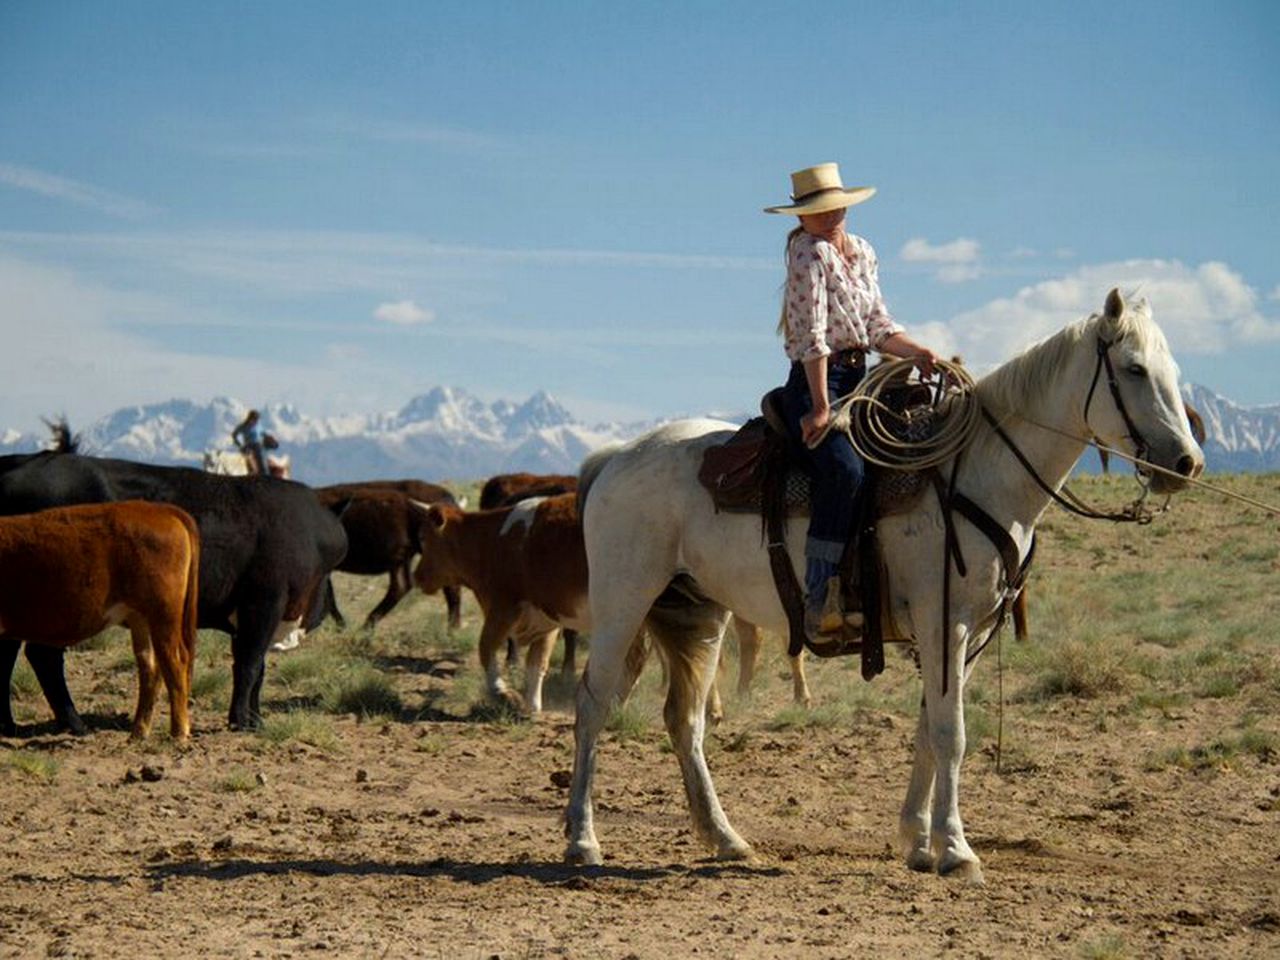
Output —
(191, 608)
(590, 469)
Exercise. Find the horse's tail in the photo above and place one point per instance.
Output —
(590, 469)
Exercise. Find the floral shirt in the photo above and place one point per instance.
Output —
(833, 304)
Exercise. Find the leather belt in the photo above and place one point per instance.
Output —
(852, 357)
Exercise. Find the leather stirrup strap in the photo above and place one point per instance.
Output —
(784, 578)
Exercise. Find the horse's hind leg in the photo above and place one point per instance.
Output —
(612, 668)
(691, 637)
(144, 657)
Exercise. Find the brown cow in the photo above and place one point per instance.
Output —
(383, 536)
(527, 567)
(70, 572)
(507, 489)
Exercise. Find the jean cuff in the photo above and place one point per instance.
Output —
(828, 550)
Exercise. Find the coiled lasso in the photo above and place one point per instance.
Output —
(919, 436)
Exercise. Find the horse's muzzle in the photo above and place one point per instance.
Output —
(1186, 467)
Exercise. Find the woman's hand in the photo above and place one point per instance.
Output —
(813, 423)
(901, 346)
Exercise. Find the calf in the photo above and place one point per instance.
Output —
(267, 546)
(383, 536)
(508, 489)
(527, 567)
(68, 573)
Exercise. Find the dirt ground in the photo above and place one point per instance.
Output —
(433, 835)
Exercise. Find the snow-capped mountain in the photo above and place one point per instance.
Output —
(1237, 439)
(448, 434)
(445, 433)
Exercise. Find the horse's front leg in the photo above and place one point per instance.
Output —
(913, 822)
(944, 715)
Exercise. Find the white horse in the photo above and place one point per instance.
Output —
(647, 520)
(233, 463)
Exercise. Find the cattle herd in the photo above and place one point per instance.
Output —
(89, 542)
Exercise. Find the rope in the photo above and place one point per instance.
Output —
(915, 439)
(1154, 467)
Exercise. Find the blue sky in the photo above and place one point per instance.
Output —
(343, 205)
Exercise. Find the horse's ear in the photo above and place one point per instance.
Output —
(1115, 305)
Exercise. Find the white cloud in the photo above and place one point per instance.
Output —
(73, 191)
(957, 261)
(1202, 309)
(403, 313)
(68, 350)
(1275, 293)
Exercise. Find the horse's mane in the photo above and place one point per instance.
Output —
(1015, 383)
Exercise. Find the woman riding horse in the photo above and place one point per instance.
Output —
(832, 314)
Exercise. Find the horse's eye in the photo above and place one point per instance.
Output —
(1137, 369)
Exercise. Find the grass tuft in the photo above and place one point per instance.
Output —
(301, 725)
(238, 780)
(37, 766)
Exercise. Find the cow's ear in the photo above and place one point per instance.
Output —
(436, 517)
(430, 512)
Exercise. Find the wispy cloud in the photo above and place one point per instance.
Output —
(304, 263)
(955, 262)
(1203, 309)
(403, 313)
(74, 192)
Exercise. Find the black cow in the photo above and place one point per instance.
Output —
(382, 526)
(267, 546)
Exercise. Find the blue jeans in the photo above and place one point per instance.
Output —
(835, 469)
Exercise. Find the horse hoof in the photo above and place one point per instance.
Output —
(921, 861)
(735, 852)
(968, 870)
(583, 855)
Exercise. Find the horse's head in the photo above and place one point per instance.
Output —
(1134, 404)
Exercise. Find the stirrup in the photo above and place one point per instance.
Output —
(832, 632)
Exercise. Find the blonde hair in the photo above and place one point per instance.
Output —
(781, 329)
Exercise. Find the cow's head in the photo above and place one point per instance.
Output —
(433, 535)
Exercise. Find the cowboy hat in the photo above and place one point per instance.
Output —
(819, 189)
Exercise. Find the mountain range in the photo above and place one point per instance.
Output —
(448, 434)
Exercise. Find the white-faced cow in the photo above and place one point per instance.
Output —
(68, 573)
(508, 489)
(267, 546)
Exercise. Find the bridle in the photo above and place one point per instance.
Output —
(1136, 512)
(1141, 447)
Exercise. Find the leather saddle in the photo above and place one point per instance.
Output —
(757, 471)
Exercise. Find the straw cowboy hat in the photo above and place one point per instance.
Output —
(819, 189)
